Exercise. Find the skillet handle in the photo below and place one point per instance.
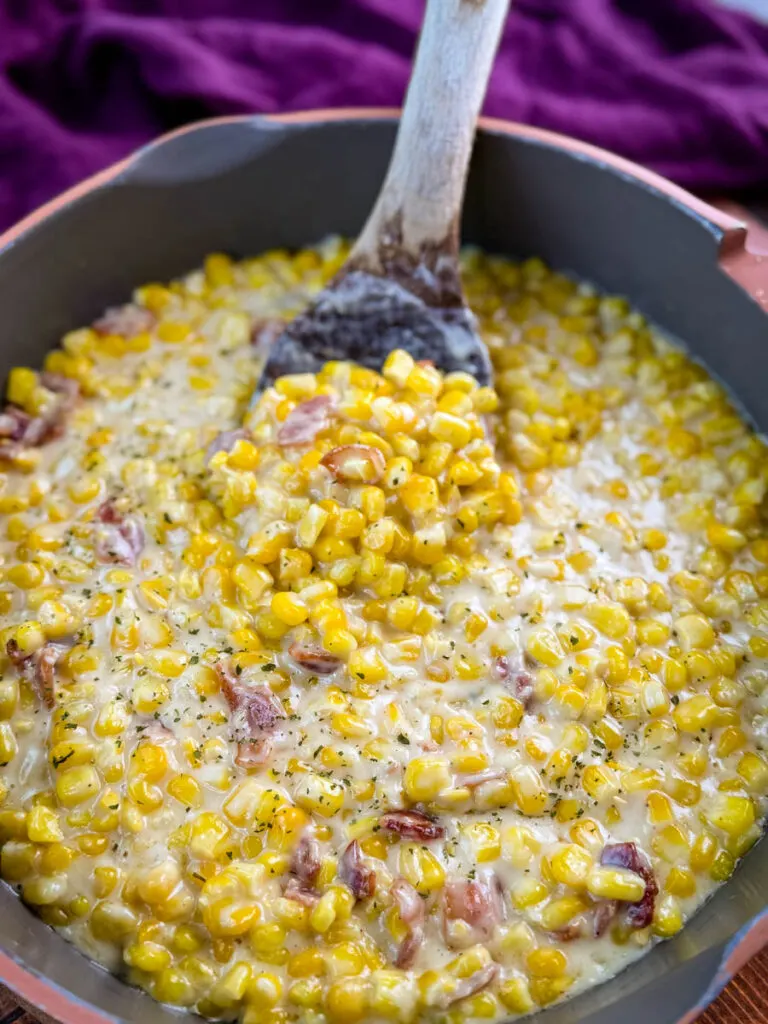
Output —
(744, 251)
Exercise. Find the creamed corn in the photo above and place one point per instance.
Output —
(389, 696)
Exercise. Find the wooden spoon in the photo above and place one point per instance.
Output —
(400, 287)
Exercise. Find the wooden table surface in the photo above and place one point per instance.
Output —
(744, 1001)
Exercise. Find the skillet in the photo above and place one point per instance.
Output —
(246, 184)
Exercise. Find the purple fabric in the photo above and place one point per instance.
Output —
(680, 85)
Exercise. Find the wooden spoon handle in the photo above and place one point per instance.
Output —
(419, 206)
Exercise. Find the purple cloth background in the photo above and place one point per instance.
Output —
(680, 85)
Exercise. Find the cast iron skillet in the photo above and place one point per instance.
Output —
(243, 185)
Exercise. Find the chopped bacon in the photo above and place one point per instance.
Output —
(256, 710)
(19, 430)
(127, 321)
(605, 911)
(517, 681)
(314, 659)
(225, 441)
(303, 871)
(355, 873)
(355, 463)
(306, 421)
(60, 384)
(412, 825)
(294, 890)
(121, 537)
(478, 903)
(627, 855)
(39, 668)
(476, 982)
(305, 862)
(410, 906)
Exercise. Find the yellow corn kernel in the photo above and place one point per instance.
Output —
(421, 868)
(544, 646)
(731, 813)
(319, 795)
(104, 880)
(286, 827)
(29, 636)
(367, 665)
(485, 840)
(659, 808)
(671, 844)
(307, 963)
(600, 782)
(694, 632)
(610, 619)
(618, 666)
(157, 883)
(570, 865)
(696, 713)
(558, 913)
(528, 789)
(425, 777)
(667, 917)
(346, 1000)
(546, 962)
(43, 825)
(753, 769)
(75, 785)
(323, 914)
(149, 696)
(615, 884)
(147, 956)
(208, 836)
(9, 748)
(447, 427)
(515, 995)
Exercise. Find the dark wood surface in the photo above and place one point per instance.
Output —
(744, 1001)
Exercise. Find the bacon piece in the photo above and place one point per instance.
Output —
(121, 537)
(478, 903)
(314, 659)
(19, 430)
(305, 862)
(412, 825)
(355, 873)
(293, 890)
(225, 442)
(306, 421)
(516, 680)
(127, 321)
(303, 871)
(627, 855)
(355, 463)
(605, 911)
(14, 423)
(256, 710)
(468, 986)
(60, 384)
(39, 668)
(410, 906)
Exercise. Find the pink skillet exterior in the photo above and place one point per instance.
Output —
(749, 269)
